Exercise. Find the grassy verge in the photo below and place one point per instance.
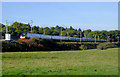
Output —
(83, 62)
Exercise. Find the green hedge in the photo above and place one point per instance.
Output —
(76, 46)
(103, 46)
(48, 45)
(83, 47)
(29, 45)
(13, 46)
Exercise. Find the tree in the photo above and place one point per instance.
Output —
(47, 31)
(17, 28)
(20, 28)
(2, 25)
(72, 33)
(3, 31)
(35, 29)
(86, 32)
(40, 30)
(11, 31)
(64, 33)
(55, 32)
(103, 34)
(117, 34)
(75, 36)
(79, 30)
(52, 28)
(71, 28)
(112, 36)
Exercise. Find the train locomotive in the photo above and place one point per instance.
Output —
(59, 38)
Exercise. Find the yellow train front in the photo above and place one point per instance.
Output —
(23, 36)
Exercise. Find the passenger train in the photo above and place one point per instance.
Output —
(58, 38)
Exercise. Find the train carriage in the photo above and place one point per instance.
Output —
(46, 37)
(78, 39)
(65, 38)
(72, 39)
(58, 38)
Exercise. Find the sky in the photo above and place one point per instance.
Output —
(84, 15)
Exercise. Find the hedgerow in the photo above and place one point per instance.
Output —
(103, 46)
(33, 44)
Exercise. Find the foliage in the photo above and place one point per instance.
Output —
(31, 44)
(103, 46)
(86, 32)
(8, 46)
(17, 28)
(76, 46)
(83, 47)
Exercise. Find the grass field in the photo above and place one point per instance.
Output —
(82, 62)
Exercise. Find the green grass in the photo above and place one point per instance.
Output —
(82, 62)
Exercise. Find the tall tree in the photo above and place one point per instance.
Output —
(86, 32)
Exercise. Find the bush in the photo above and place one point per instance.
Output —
(111, 45)
(103, 46)
(76, 45)
(32, 44)
(12, 46)
(39, 44)
(117, 44)
(83, 47)
(29, 45)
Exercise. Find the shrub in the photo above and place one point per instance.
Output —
(12, 46)
(117, 44)
(76, 45)
(32, 44)
(112, 45)
(39, 44)
(83, 47)
(103, 46)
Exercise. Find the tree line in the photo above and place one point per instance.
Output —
(17, 28)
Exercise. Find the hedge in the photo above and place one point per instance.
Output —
(103, 46)
(28, 45)
(48, 45)
(76, 46)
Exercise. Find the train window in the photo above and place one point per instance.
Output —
(23, 34)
